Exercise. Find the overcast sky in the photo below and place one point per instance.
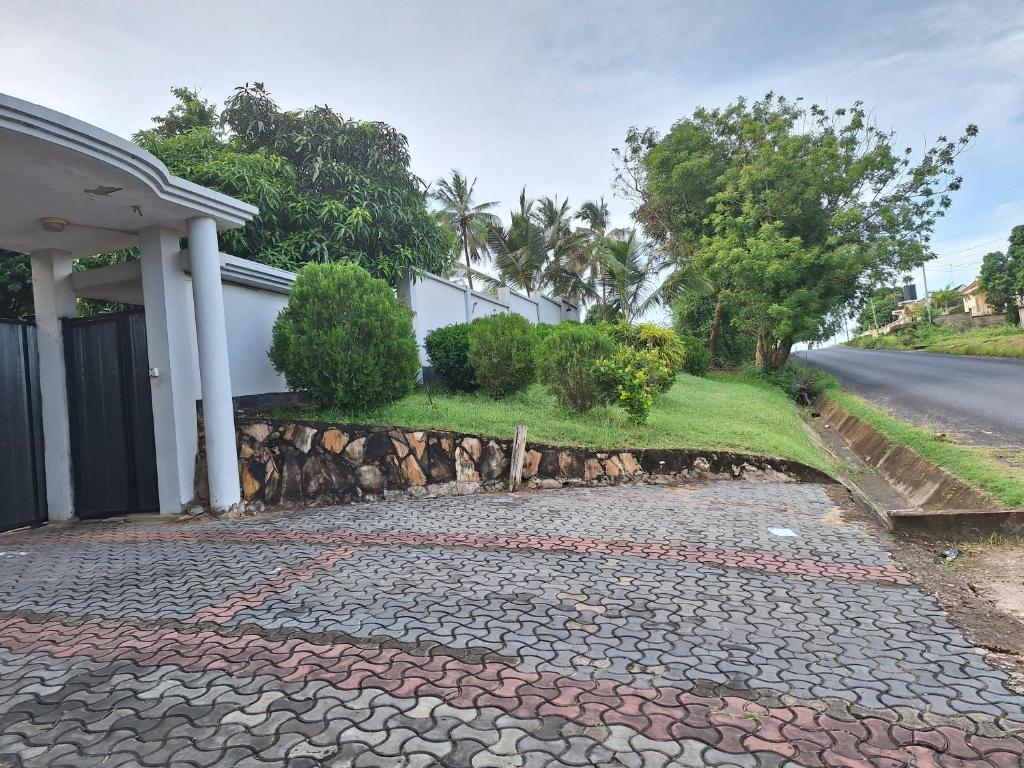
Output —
(538, 93)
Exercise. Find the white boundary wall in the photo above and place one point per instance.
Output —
(437, 302)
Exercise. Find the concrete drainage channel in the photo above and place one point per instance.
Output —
(907, 492)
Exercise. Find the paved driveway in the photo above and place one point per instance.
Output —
(616, 627)
(977, 398)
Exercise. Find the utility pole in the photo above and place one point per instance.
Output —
(927, 296)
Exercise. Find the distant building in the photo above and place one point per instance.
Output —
(975, 303)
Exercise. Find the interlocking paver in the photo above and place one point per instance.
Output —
(639, 625)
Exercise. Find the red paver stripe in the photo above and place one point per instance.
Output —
(729, 558)
(731, 724)
(276, 584)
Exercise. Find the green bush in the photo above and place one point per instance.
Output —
(698, 358)
(345, 338)
(633, 376)
(566, 361)
(662, 342)
(448, 350)
(542, 330)
(501, 351)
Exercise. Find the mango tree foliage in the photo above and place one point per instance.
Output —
(329, 188)
(793, 212)
(15, 286)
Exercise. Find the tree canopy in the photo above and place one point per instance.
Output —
(329, 188)
(792, 212)
(1002, 276)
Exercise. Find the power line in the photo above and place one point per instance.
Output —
(1012, 214)
(972, 248)
(986, 200)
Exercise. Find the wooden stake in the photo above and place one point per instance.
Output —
(515, 472)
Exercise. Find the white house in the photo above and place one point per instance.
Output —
(69, 189)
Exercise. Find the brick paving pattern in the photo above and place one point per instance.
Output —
(631, 626)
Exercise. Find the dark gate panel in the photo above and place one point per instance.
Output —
(22, 479)
(113, 453)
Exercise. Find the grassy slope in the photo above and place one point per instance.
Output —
(998, 340)
(977, 466)
(718, 412)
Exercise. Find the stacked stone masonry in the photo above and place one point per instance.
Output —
(289, 462)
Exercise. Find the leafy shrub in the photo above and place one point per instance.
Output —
(448, 350)
(633, 376)
(698, 358)
(802, 383)
(542, 330)
(566, 365)
(663, 342)
(501, 352)
(345, 338)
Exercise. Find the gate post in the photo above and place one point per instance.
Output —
(165, 293)
(54, 299)
(214, 371)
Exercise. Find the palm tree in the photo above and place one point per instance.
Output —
(470, 221)
(630, 274)
(520, 251)
(588, 258)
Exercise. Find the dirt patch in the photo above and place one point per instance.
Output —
(995, 571)
(982, 591)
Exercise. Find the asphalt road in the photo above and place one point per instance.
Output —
(979, 399)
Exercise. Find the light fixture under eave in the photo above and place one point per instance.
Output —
(53, 224)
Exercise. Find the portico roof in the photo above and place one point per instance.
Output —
(101, 188)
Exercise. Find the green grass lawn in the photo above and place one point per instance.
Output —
(998, 340)
(723, 411)
(997, 472)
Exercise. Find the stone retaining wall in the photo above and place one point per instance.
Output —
(307, 462)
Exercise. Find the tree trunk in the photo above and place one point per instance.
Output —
(716, 326)
(469, 268)
(772, 353)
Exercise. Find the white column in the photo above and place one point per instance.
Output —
(214, 374)
(168, 338)
(54, 299)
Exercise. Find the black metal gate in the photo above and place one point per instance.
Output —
(22, 479)
(113, 452)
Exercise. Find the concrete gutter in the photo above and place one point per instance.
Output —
(906, 491)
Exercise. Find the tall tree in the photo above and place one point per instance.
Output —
(587, 258)
(998, 280)
(329, 188)
(191, 111)
(15, 286)
(469, 220)
(631, 273)
(520, 250)
(793, 211)
(671, 182)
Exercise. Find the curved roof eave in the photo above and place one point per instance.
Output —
(63, 130)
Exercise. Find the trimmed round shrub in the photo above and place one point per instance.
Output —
(501, 352)
(345, 338)
(566, 362)
(448, 350)
(698, 358)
